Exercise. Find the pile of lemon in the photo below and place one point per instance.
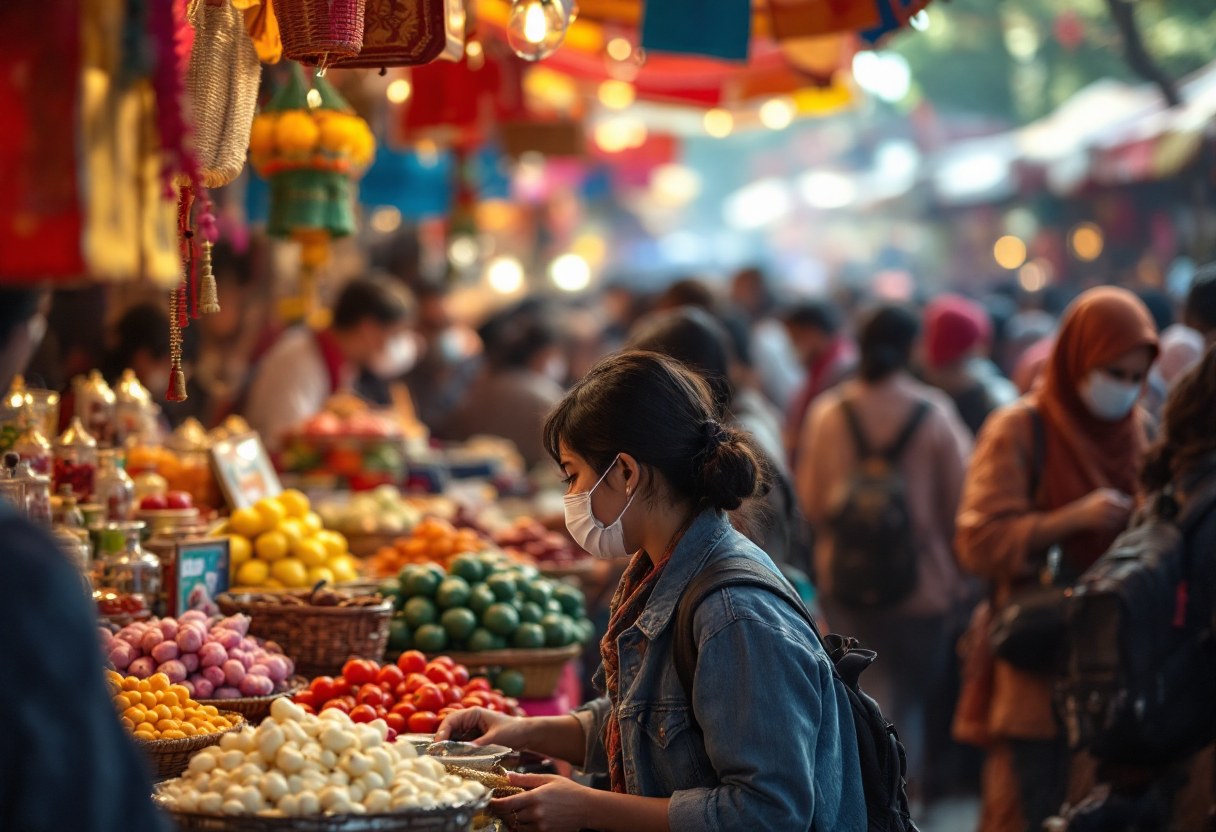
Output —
(280, 543)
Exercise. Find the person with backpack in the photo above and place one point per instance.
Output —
(880, 483)
(1049, 488)
(754, 727)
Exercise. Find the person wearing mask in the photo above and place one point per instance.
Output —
(957, 335)
(884, 406)
(1020, 499)
(449, 360)
(827, 355)
(1199, 313)
(65, 761)
(369, 331)
(699, 342)
(779, 373)
(652, 475)
(525, 368)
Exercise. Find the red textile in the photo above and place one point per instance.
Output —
(953, 325)
(334, 360)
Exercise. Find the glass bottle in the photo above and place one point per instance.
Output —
(76, 459)
(95, 406)
(37, 495)
(70, 515)
(133, 404)
(12, 412)
(127, 567)
(149, 483)
(112, 488)
(12, 490)
(31, 445)
(44, 405)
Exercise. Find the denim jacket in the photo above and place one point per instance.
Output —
(777, 748)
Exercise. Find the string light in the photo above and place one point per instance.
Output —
(1009, 252)
(505, 275)
(399, 91)
(719, 123)
(776, 113)
(1087, 241)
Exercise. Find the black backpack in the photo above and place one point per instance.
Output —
(883, 765)
(874, 560)
(1141, 674)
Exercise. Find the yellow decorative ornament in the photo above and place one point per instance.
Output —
(296, 132)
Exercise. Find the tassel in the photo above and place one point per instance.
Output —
(177, 381)
(192, 276)
(183, 320)
(209, 302)
(177, 385)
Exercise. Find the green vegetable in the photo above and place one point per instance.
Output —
(501, 619)
(430, 638)
(459, 622)
(528, 637)
(531, 613)
(452, 592)
(420, 611)
(480, 598)
(511, 682)
(557, 631)
(469, 568)
(503, 587)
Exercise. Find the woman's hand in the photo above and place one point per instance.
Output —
(551, 804)
(489, 727)
(1103, 510)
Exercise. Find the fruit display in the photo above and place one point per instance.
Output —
(113, 604)
(365, 448)
(321, 596)
(483, 602)
(210, 659)
(298, 764)
(281, 543)
(548, 548)
(383, 510)
(433, 540)
(183, 462)
(412, 695)
(156, 709)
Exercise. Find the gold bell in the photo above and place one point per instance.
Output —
(208, 302)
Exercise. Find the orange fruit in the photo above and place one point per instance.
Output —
(291, 571)
(246, 522)
(239, 550)
(310, 551)
(271, 545)
(271, 511)
(158, 681)
(294, 503)
(253, 573)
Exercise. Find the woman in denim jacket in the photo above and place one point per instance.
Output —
(651, 472)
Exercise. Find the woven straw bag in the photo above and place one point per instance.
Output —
(222, 82)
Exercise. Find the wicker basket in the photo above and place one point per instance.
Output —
(542, 669)
(319, 639)
(169, 758)
(320, 31)
(257, 708)
(458, 819)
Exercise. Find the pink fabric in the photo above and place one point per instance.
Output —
(953, 326)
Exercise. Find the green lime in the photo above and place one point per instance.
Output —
(403, 575)
(459, 622)
(539, 592)
(531, 613)
(570, 598)
(586, 631)
(389, 587)
(528, 637)
(467, 567)
(420, 611)
(481, 640)
(423, 582)
(453, 592)
(480, 598)
(503, 587)
(553, 605)
(557, 633)
(528, 571)
(510, 682)
(430, 638)
(501, 619)
(398, 635)
(399, 602)
(490, 562)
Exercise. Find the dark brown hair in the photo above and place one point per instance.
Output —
(649, 406)
(1188, 426)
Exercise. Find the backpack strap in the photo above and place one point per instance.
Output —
(864, 451)
(896, 450)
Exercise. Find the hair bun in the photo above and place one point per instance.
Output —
(732, 470)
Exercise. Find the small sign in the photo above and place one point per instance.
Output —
(244, 470)
(201, 570)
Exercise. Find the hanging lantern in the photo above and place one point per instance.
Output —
(320, 32)
(410, 33)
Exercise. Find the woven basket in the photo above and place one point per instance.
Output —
(458, 819)
(169, 758)
(403, 33)
(542, 669)
(222, 80)
(320, 31)
(257, 708)
(319, 639)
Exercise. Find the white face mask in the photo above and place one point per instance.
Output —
(397, 359)
(596, 538)
(1108, 398)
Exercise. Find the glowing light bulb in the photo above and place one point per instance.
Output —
(719, 123)
(570, 273)
(505, 275)
(537, 28)
(398, 91)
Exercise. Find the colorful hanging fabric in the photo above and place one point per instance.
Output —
(714, 28)
(812, 18)
(894, 15)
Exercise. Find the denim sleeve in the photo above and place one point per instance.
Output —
(773, 726)
(592, 717)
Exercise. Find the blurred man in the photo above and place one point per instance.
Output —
(778, 371)
(1200, 310)
(815, 329)
(369, 332)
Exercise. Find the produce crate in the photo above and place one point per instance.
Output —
(257, 708)
(319, 639)
(541, 668)
(169, 758)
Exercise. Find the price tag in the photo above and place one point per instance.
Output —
(201, 570)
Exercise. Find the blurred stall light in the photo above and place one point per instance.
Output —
(555, 90)
(536, 28)
(621, 133)
(682, 248)
(897, 158)
(398, 91)
(505, 275)
(427, 152)
(1009, 252)
(826, 189)
(313, 98)
(886, 74)
(1022, 41)
(977, 171)
(475, 54)
(1086, 241)
(777, 113)
(386, 219)
(619, 49)
(616, 95)
(719, 123)
(1035, 275)
(674, 185)
(758, 204)
(1021, 222)
(920, 20)
(570, 273)
(590, 247)
(463, 251)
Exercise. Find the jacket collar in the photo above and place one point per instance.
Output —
(687, 561)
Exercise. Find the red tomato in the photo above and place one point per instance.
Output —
(359, 672)
(438, 673)
(308, 709)
(381, 712)
(401, 691)
(451, 709)
(471, 701)
(336, 703)
(460, 674)
(424, 722)
(392, 735)
(396, 721)
(453, 694)
(306, 697)
(496, 699)
(322, 689)
(478, 683)
(406, 709)
(341, 686)
(412, 661)
(511, 702)
(363, 713)
(350, 701)
(445, 661)
(415, 681)
(390, 674)
(369, 694)
(428, 698)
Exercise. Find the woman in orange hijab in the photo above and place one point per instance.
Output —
(1083, 478)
